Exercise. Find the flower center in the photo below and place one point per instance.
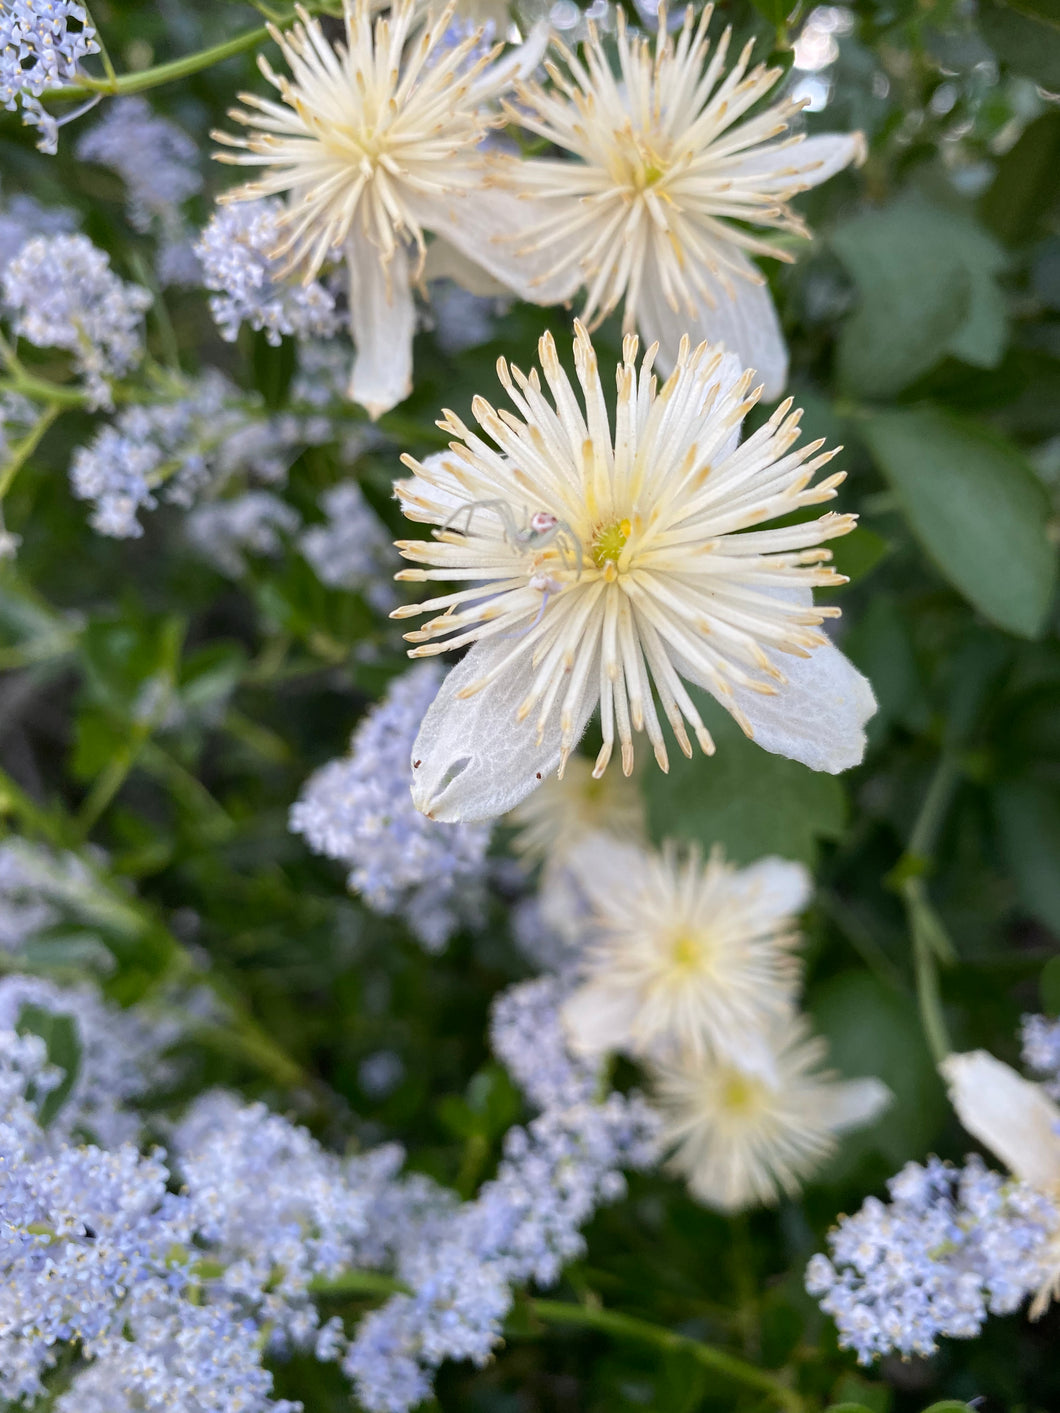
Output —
(609, 542)
(686, 954)
(739, 1093)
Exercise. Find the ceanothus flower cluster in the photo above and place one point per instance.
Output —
(1041, 1051)
(223, 531)
(120, 1055)
(155, 159)
(197, 439)
(351, 550)
(60, 292)
(358, 810)
(235, 251)
(38, 51)
(524, 1225)
(22, 216)
(952, 1246)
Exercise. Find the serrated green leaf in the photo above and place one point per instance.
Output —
(976, 507)
(60, 1036)
(744, 798)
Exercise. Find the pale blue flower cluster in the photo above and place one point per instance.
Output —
(1041, 1051)
(352, 550)
(60, 292)
(120, 1059)
(22, 217)
(248, 288)
(524, 1225)
(224, 531)
(178, 448)
(157, 161)
(952, 1246)
(359, 811)
(173, 1296)
(38, 886)
(39, 50)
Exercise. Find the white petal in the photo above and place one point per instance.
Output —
(599, 1018)
(744, 320)
(383, 321)
(472, 760)
(803, 164)
(485, 225)
(853, 1103)
(819, 717)
(445, 262)
(604, 865)
(519, 64)
(779, 888)
(1012, 1117)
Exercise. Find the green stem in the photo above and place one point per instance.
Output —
(25, 448)
(559, 1312)
(930, 942)
(612, 1322)
(159, 74)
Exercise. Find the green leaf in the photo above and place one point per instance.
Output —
(744, 798)
(60, 1036)
(976, 507)
(1024, 189)
(848, 1408)
(1049, 987)
(926, 279)
(879, 643)
(857, 554)
(873, 1029)
(1028, 819)
(1023, 40)
(776, 11)
(949, 1405)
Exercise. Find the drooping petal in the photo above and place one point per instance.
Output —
(778, 888)
(744, 320)
(383, 321)
(819, 717)
(1012, 1117)
(783, 166)
(445, 262)
(853, 1103)
(599, 1018)
(472, 759)
(486, 225)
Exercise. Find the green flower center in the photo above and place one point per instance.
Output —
(609, 542)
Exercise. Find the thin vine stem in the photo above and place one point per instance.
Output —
(169, 72)
(611, 1322)
(931, 945)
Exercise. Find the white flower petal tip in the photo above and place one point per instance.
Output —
(383, 323)
(599, 564)
(856, 1103)
(472, 760)
(598, 1019)
(820, 716)
(670, 175)
(1008, 1114)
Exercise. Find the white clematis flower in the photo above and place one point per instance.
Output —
(666, 162)
(375, 144)
(561, 813)
(681, 953)
(603, 567)
(744, 1135)
(1020, 1124)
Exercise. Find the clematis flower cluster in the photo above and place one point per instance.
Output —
(690, 967)
(658, 171)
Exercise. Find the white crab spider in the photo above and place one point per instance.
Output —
(541, 529)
